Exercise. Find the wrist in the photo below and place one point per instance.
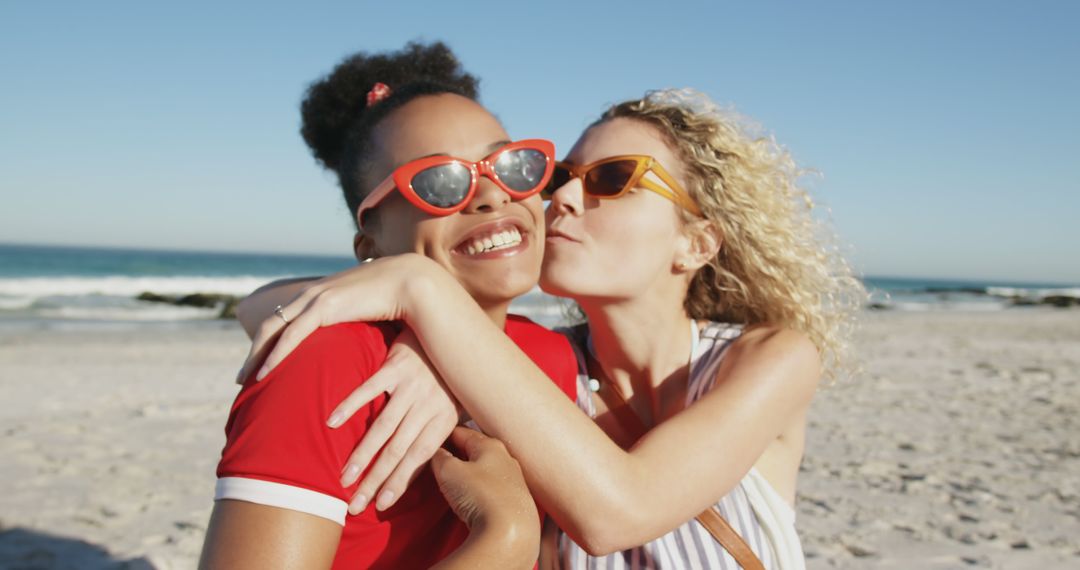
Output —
(427, 287)
(517, 536)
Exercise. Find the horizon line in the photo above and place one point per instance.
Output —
(122, 248)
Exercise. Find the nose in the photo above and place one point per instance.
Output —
(489, 197)
(567, 199)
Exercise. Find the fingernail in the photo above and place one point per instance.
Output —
(335, 419)
(358, 504)
(352, 471)
(262, 373)
(385, 500)
(240, 376)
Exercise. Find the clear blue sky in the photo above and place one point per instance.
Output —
(946, 131)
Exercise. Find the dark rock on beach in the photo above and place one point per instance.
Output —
(1061, 301)
(226, 304)
(155, 298)
(968, 290)
(228, 309)
(206, 300)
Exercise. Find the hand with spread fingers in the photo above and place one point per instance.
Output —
(371, 291)
(487, 491)
(420, 412)
(419, 415)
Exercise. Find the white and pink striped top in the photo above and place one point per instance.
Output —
(753, 508)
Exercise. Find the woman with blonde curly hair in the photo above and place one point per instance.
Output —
(714, 303)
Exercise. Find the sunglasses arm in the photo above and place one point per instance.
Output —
(674, 192)
(377, 195)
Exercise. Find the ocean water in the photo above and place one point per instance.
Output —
(44, 284)
(909, 294)
(76, 285)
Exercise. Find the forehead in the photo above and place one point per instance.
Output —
(437, 124)
(623, 136)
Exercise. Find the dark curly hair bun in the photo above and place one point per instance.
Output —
(336, 118)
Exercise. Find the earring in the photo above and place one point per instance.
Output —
(680, 266)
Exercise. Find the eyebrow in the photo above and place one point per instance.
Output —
(490, 149)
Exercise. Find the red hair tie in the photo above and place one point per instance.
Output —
(378, 92)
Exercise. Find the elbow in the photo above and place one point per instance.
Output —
(614, 531)
(598, 547)
(602, 543)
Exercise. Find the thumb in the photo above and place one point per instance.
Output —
(441, 461)
(467, 440)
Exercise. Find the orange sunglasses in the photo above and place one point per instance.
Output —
(443, 185)
(614, 176)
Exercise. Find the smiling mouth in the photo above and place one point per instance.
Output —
(493, 242)
(499, 240)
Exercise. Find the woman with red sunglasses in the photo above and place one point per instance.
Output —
(468, 202)
(713, 302)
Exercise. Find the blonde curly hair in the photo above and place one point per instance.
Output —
(777, 264)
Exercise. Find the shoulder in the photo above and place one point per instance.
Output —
(782, 352)
(328, 364)
(356, 346)
(550, 351)
(531, 337)
(277, 429)
(519, 327)
(360, 337)
(776, 339)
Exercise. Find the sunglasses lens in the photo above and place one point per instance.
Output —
(559, 177)
(610, 178)
(444, 185)
(521, 170)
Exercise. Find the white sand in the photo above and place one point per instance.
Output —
(109, 443)
(957, 446)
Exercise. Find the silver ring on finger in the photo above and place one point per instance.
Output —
(280, 314)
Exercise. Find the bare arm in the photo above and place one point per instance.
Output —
(604, 497)
(245, 535)
(487, 491)
(418, 420)
(259, 305)
(488, 548)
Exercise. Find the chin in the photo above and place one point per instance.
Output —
(488, 296)
(492, 290)
(553, 282)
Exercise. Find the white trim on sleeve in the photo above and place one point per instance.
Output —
(283, 496)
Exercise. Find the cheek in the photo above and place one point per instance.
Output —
(626, 249)
(403, 229)
(632, 245)
(433, 235)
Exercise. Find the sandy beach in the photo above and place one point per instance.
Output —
(958, 445)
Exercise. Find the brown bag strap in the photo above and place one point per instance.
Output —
(729, 539)
(717, 526)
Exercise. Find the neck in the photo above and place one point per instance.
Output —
(496, 312)
(640, 343)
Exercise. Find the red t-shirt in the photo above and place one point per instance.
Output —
(279, 451)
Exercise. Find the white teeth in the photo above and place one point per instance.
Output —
(500, 240)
